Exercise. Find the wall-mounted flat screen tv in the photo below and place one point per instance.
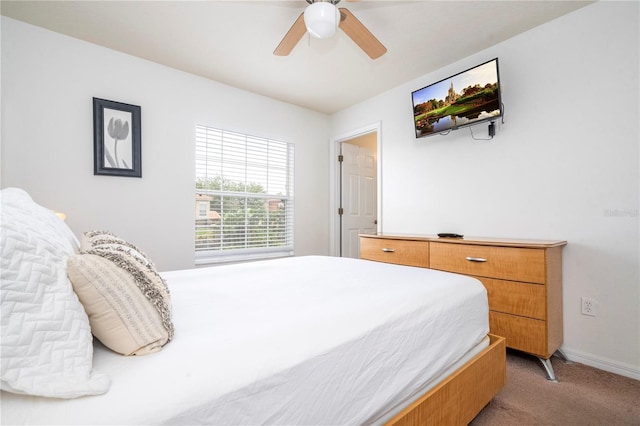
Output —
(469, 97)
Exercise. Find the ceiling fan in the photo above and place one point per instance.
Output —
(321, 19)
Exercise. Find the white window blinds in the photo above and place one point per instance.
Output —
(245, 184)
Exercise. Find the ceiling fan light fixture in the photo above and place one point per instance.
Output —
(321, 19)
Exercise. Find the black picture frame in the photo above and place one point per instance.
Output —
(116, 139)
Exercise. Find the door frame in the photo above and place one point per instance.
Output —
(334, 181)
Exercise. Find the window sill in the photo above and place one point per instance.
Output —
(207, 260)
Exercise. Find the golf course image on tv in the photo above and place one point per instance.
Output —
(466, 98)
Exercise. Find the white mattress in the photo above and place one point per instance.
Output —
(304, 340)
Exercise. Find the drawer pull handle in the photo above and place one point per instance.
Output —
(388, 250)
(476, 259)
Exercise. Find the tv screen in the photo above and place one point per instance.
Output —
(467, 98)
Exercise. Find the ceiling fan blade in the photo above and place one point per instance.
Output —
(292, 37)
(360, 34)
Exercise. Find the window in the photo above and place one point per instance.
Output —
(244, 197)
(203, 208)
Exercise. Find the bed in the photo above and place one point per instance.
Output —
(301, 340)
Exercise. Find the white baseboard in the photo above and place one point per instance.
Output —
(627, 370)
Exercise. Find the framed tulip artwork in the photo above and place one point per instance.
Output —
(116, 139)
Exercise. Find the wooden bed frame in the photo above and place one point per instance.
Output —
(462, 395)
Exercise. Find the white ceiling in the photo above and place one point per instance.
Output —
(232, 41)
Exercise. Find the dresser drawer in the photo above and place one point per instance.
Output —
(402, 252)
(507, 263)
(518, 298)
(524, 334)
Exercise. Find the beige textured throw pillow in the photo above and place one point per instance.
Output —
(106, 240)
(127, 301)
(129, 257)
(120, 315)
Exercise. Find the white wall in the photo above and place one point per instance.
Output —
(48, 82)
(564, 165)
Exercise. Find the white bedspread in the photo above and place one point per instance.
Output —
(304, 340)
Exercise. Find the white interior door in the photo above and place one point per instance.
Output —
(359, 191)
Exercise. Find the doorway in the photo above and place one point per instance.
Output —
(355, 199)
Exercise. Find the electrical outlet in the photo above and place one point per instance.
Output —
(588, 307)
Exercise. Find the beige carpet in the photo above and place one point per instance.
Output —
(583, 396)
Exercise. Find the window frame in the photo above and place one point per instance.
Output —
(211, 146)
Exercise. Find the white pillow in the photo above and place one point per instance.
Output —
(46, 345)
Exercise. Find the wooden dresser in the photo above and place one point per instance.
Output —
(523, 279)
